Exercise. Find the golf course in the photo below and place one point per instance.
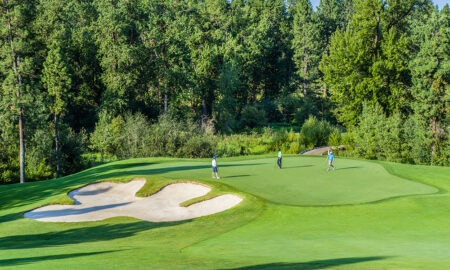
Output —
(363, 215)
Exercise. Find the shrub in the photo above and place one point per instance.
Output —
(335, 138)
(228, 146)
(316, 133)
(252, 116)
(197, 146)
(369, 132)
(168, 137)
(287, 106)
(419, 138)
(9, 160)
(134, 136)
(73, 146)
(40, 158)
(278, 140)
(107, 133)
(306, 109)
(392, 139)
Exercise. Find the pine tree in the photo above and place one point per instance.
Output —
(118, 39)
(368, 61)
(306, 44)
(165, 39)
(16, 64)
(431, 75)
(207, 26)
(57, 81)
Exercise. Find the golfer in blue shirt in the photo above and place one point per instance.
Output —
(330, 159)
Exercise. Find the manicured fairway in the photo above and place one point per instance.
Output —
(364, 215)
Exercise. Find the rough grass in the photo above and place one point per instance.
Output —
(388, 232)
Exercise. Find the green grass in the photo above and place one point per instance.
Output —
(364, 215)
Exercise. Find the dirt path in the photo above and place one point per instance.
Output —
(321, 150)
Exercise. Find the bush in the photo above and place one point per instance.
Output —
(394, 139)
(73, 146)
(287, 106)
(40, 157)
(278, 140)
(9, 160)
(197, 146)
(305, 110)
(335, 139)
(229, 146)
(316, 133)
(252, 116)
(134, 137)
(369, 132)
(107, 134)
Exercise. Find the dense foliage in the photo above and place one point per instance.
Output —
(190, 78)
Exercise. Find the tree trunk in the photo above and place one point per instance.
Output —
(160, 98)
(378, 35)
(58, 168)
(305, 71)
(16, 64)
(204, 111)
(253, 92)
(166, 106)
(22, 148)
(435, 136)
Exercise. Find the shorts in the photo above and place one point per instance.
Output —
(330, 162)
(215, 169)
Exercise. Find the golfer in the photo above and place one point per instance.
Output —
(280, 157)
(214, 168)
(330, 159)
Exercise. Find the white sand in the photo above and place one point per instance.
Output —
(106, 199)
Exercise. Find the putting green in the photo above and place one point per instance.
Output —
(302, 181)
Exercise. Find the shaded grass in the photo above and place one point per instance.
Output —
(319, 264)
(22, 261)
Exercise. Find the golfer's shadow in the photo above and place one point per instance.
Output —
(235, 176)
(300, 166)
(347, 168)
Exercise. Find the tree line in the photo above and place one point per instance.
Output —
(72, 71)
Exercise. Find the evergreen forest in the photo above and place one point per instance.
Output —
(89, 81)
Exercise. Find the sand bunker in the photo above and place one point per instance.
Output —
(106, 199)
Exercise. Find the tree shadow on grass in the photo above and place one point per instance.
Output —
(320, 264)
(22, 261)
(104, 232)
(10, 217)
